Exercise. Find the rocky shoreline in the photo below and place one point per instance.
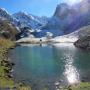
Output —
(6, 68)
(5, 64)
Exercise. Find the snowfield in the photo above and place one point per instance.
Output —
(65, 39)
(69, 38)
(32, 40)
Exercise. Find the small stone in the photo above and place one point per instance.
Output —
(57, 83)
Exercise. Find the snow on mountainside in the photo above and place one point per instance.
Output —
(4, 15)
(21, 19)
(73, 37)
(69, 38)
(28, 20)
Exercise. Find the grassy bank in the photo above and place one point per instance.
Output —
(81, 86)
(6, 80)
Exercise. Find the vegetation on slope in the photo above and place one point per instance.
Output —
(5, 81)
(8, 30)
(81, 86)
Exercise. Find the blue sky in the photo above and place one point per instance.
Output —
(36, 7)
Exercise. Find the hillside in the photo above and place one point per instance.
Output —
(84, 40)
(8, 30)
(74, 36)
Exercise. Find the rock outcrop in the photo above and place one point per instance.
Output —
(83, 43)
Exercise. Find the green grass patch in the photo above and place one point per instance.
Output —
(80, 86)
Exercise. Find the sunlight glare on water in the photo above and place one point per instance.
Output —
(71, 72)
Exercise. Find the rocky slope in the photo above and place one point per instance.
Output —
(28, 20)
(8, 30)
(4, 15)
(84, 39)
(67, 19)
(74, 36)
(83, 43)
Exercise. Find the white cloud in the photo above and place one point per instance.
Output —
(71, 2)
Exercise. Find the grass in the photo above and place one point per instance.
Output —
(82, 86)
(5, 82)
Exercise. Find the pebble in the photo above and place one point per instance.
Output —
(57, 83)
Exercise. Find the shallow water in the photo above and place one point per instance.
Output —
(50, 66)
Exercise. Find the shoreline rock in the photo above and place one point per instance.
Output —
(83, 43)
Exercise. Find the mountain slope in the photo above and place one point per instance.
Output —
(84, 39)
(74, 36)
(4, 15)
(28, 20)
(8, 30)
(63, 16)
(67, 19)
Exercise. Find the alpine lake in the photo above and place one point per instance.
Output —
(50, 65)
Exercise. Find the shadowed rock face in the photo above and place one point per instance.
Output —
(83, 43)
(84, 38)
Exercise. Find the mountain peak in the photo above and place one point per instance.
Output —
(4, 14)
(3, 10)
(61, 10)
(22, 13)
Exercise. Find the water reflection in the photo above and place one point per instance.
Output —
(71, 72)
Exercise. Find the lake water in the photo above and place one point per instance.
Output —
(50, 66)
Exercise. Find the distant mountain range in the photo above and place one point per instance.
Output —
(28, 20)
(65, 20)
